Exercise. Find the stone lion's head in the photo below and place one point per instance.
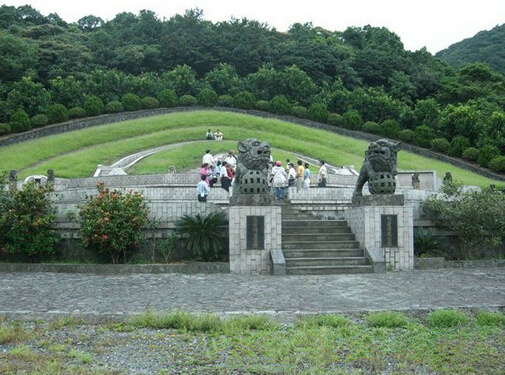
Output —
(382, 155)
(253, 154)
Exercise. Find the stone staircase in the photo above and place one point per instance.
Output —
(314, 246)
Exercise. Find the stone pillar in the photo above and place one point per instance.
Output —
(13, 180)
(384, 226)
(254, 231)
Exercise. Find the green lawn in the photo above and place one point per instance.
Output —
(77, 153)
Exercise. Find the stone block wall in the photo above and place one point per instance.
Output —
(253, 261)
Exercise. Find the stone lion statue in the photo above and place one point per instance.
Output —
(379, 168)
(250, 186)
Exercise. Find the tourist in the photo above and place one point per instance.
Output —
(208, 158)
(299, 175)
(291, 174)
(205, 171)
(214, 173)
(306, 177)
(202, 189)
(280, 178)
(224, 176)
(323, 175)
(209, 136)
(231, 160)
(218, 136)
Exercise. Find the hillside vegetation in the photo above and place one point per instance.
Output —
(77, 153)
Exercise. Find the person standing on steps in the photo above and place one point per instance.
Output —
(202, 189)
(279, 180)
(299, 175)
(323, 175)
(306, 177)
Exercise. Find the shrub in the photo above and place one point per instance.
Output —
(486, 154)
(225, 100)
(93, 106)
(131, 102)
(280, 104)
(423, 135)
(263, 105)
(406, 135)
(20, 121)
(207, 97)
(318, 112)
(168, 98)
(4, 128)
(244, 100)
(39, 120)
(446, 318)
(300, 111)
(352, 120)
(335, 321)
(187, 100)
(440, 145)
(471, 153)
(76, 112)
(371, 127)
(458, 145)
(57, 113)
(26, 221)
(205, 235)
(114, 106)
(149, 102)
(425, 242)
(390, 128)
(488, 318)
(112, 222)
(497, 164)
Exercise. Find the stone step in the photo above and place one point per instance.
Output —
(316, 230)
(324, 245)
(328, 270)
(314, 223)
(322, 253)
(322, 235)
(326, 261)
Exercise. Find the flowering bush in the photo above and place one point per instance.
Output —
(112, 222)
(26, 222)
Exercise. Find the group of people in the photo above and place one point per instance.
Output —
(213, 171)
(217, 136)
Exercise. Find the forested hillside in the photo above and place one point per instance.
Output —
(486, 47)
(359, 78)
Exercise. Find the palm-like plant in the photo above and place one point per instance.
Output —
(205, 235)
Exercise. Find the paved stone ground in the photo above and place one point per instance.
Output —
(46, 295)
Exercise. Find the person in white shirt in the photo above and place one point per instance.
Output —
(202, 189)
(323, 175)
(231, 159)
(218, 136)
(291, 174)
(209, 135)
(279, 180)
(208, 158)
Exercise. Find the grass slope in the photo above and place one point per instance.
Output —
(77, 153)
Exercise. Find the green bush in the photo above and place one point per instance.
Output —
(352, 120)
(406, 135)
(423, 135)
(458, 145)
(26, 222)
(489, 318)
(334, 321)
(57, 113)
(225, 101)
(20, 121)
(205, 235)
(446, 318)
(168, 98)
(371, 127)
(76, 112)
(390, 128)
(425, 243)
(471, 153)
(386, 319)
(440, 145)
(149, 102)
(39, 120)
(93, 106)
(244, 100)
(486, 154)
(497, 164)
(187, 100)
(4, 128)
(131, 102)
(207, 98)
(112, 222)
(318, 112)
(280, 104)
(300, 111)
(114, 106)
(263, 105)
